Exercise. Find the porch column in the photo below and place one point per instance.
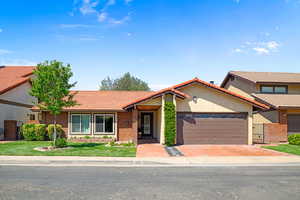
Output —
(162, 124)
(282, 116)
(134, 125)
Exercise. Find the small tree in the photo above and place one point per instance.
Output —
(52, 88)
(126, 82)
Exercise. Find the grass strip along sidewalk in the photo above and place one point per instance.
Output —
(26, 148)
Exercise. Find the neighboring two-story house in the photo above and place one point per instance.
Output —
(15, 101)
(281, 91)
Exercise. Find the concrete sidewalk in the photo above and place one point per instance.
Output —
(150, 162)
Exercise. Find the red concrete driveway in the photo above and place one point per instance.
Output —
(226, 150)
(151, 150)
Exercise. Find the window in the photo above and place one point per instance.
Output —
(104, 123)
(81, 123)
(273, 89)
(31, 116)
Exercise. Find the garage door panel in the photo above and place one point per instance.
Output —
(203, 128)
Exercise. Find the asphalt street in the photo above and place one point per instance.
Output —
(20, 182)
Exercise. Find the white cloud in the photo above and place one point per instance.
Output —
(236, 1)
(129, 34)
(261, 50)
(17, 62)
(102, 17)
(75, 26)
(272, 45)
(93, 7)
(120, 21)
(87, 38)
(5, 51)
(1, 30)
(238, 50)
(88, 6)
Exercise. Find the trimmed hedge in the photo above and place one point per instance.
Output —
(294, 139)
(28, 132)
(59, 131)
(32, 132)
(60, 142)
(170, 123)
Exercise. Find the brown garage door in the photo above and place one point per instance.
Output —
(208, 128)
(293, 123)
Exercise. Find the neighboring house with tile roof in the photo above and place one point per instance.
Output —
(206, 114)
(15, 102)
(279, 90)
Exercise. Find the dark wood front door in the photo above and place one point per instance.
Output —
(147, 124)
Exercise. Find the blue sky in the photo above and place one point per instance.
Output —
(163, 42)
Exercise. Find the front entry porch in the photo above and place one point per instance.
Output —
(149, 124)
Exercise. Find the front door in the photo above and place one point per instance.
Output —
(147, 124)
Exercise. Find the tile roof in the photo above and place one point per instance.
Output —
(280, 100)
(268, 77)
(104, 100)
(213, 86)
(13, 76)
(155, 94)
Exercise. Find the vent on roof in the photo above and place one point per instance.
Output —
(2, 66)
(212, 82)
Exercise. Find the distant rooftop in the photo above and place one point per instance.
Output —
(268, 77)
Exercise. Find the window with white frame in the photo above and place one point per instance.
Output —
(81, 123)
(104, 124)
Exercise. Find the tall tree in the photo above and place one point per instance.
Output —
(126, 82)
(51, 87)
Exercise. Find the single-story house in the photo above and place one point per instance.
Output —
(206, 114)
(15, 102)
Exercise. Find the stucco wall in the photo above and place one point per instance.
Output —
(155, 101)
(265, 117)
(211, 100)
(12, 112)
(19, 94)
(241, 87)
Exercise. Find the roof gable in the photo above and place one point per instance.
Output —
(264, 77)
(197, 81)
(13, 76)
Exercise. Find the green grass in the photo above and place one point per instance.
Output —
(287, 148)
(25, 148)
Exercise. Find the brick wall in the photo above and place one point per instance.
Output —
(275, 132)
(126, 127)
(61, 119)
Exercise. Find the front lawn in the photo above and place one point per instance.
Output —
(25, 148)
(287, 148)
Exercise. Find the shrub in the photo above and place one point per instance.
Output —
(170, 123)
(60, 142)
(28, 132)
(40, 132)
(87, 137)
(59, 131)
(294, 139)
